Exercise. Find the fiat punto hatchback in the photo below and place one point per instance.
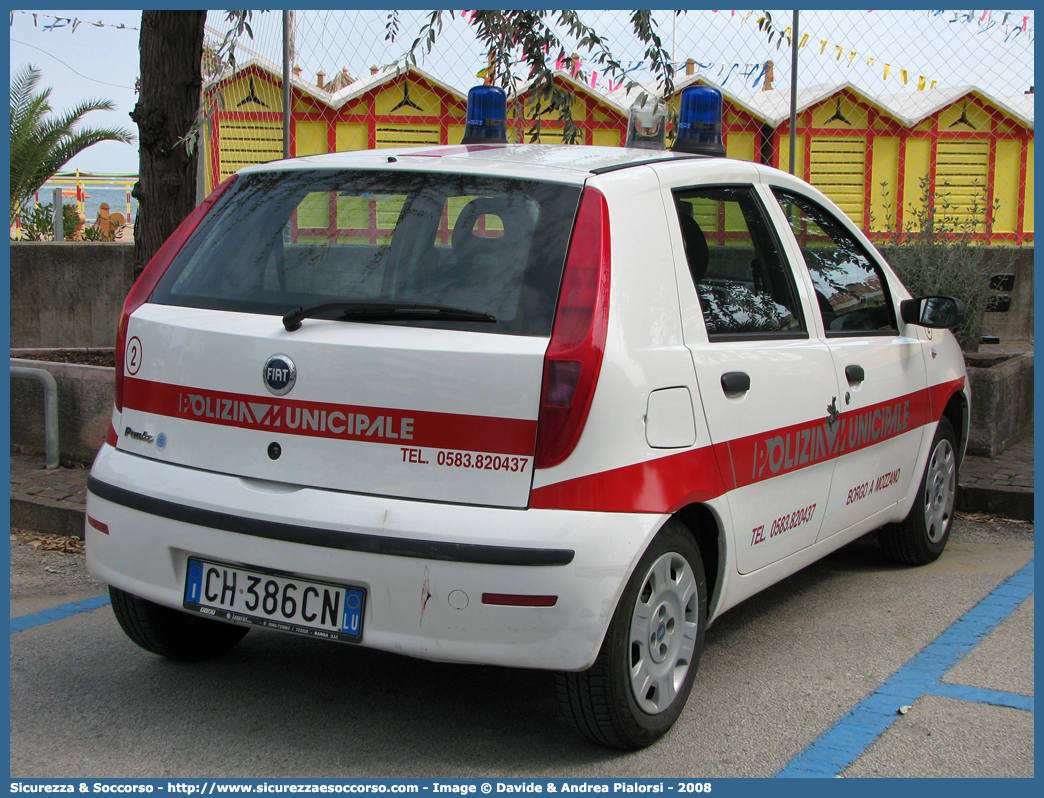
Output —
(523, 405)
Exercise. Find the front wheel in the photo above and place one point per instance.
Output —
(170, 633)
(921, 537)
(639, 684)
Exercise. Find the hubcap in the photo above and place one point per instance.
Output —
(940, 490)
(663, 632)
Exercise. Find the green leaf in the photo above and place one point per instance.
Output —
(42, 144)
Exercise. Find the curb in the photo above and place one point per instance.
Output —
(1014, 503)
(53, 519)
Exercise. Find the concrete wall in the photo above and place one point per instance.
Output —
(1002, 401)
(68, 294)
(85, 396)
(1017, 323)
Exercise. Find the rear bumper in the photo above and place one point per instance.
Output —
(409, 556)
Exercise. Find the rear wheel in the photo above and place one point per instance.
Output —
(170, 633)
(922, 536)
(639, 684)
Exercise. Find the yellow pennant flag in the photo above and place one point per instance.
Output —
(869, 60)
(921, 80)
(851, 55)
(888, 68)
(804, 41)
(934, 84)
(902, 74)
(822, 49)
(839, 51)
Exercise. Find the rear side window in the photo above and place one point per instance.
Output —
(745, 287)
(851, 291)
(285, 240)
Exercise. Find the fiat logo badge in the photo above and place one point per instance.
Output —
(279, 375)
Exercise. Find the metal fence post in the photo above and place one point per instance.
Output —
(286, 82)
(57, 217)
(793, 94)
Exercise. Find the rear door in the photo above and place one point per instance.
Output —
(435, 399)
(765, 382)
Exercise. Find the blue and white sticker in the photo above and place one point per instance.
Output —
(352, 621)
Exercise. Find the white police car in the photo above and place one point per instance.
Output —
(536, 406)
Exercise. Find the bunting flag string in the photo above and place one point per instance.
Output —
(67, 22)
(984, 20)
(577, 66)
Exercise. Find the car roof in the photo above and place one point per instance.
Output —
(568, 163)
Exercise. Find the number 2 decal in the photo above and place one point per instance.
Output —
(133, 361)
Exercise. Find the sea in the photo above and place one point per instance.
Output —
(116, 196)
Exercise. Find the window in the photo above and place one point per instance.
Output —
(851, 291)
(745, 287)
(283, 240)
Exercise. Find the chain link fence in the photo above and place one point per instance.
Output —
(899, 113)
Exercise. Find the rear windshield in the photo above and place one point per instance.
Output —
(283, 240)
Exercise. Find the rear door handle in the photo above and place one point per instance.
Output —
(854, 374)
(735, 382)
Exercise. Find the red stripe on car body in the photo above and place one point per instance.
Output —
(650, 487)
(756, 458)
(666, 484)
(331, 420)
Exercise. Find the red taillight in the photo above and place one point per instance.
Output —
(103, 528)
(574, 355)
(514, 600)
(151, 274)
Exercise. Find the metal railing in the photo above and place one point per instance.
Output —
(50, 387)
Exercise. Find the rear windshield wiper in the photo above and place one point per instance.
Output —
(384, 311)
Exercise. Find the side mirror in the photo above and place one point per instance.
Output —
(932, 311)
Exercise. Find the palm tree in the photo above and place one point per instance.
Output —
(42, 144)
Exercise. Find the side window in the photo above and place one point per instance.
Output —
(851, 291)
(746, 288)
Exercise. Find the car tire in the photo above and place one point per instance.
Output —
(170, 633)
(639, 683)
(921, 537)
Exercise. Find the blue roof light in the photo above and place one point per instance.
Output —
(487, 116)
(699, 122)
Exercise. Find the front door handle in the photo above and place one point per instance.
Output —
(735, 382)
(854, 374)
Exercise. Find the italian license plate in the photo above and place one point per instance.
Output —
(279, 602)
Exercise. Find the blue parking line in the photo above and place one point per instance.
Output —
(981, 695)
(842, 743)
(57, 613)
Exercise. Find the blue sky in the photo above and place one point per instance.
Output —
(91, 63)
